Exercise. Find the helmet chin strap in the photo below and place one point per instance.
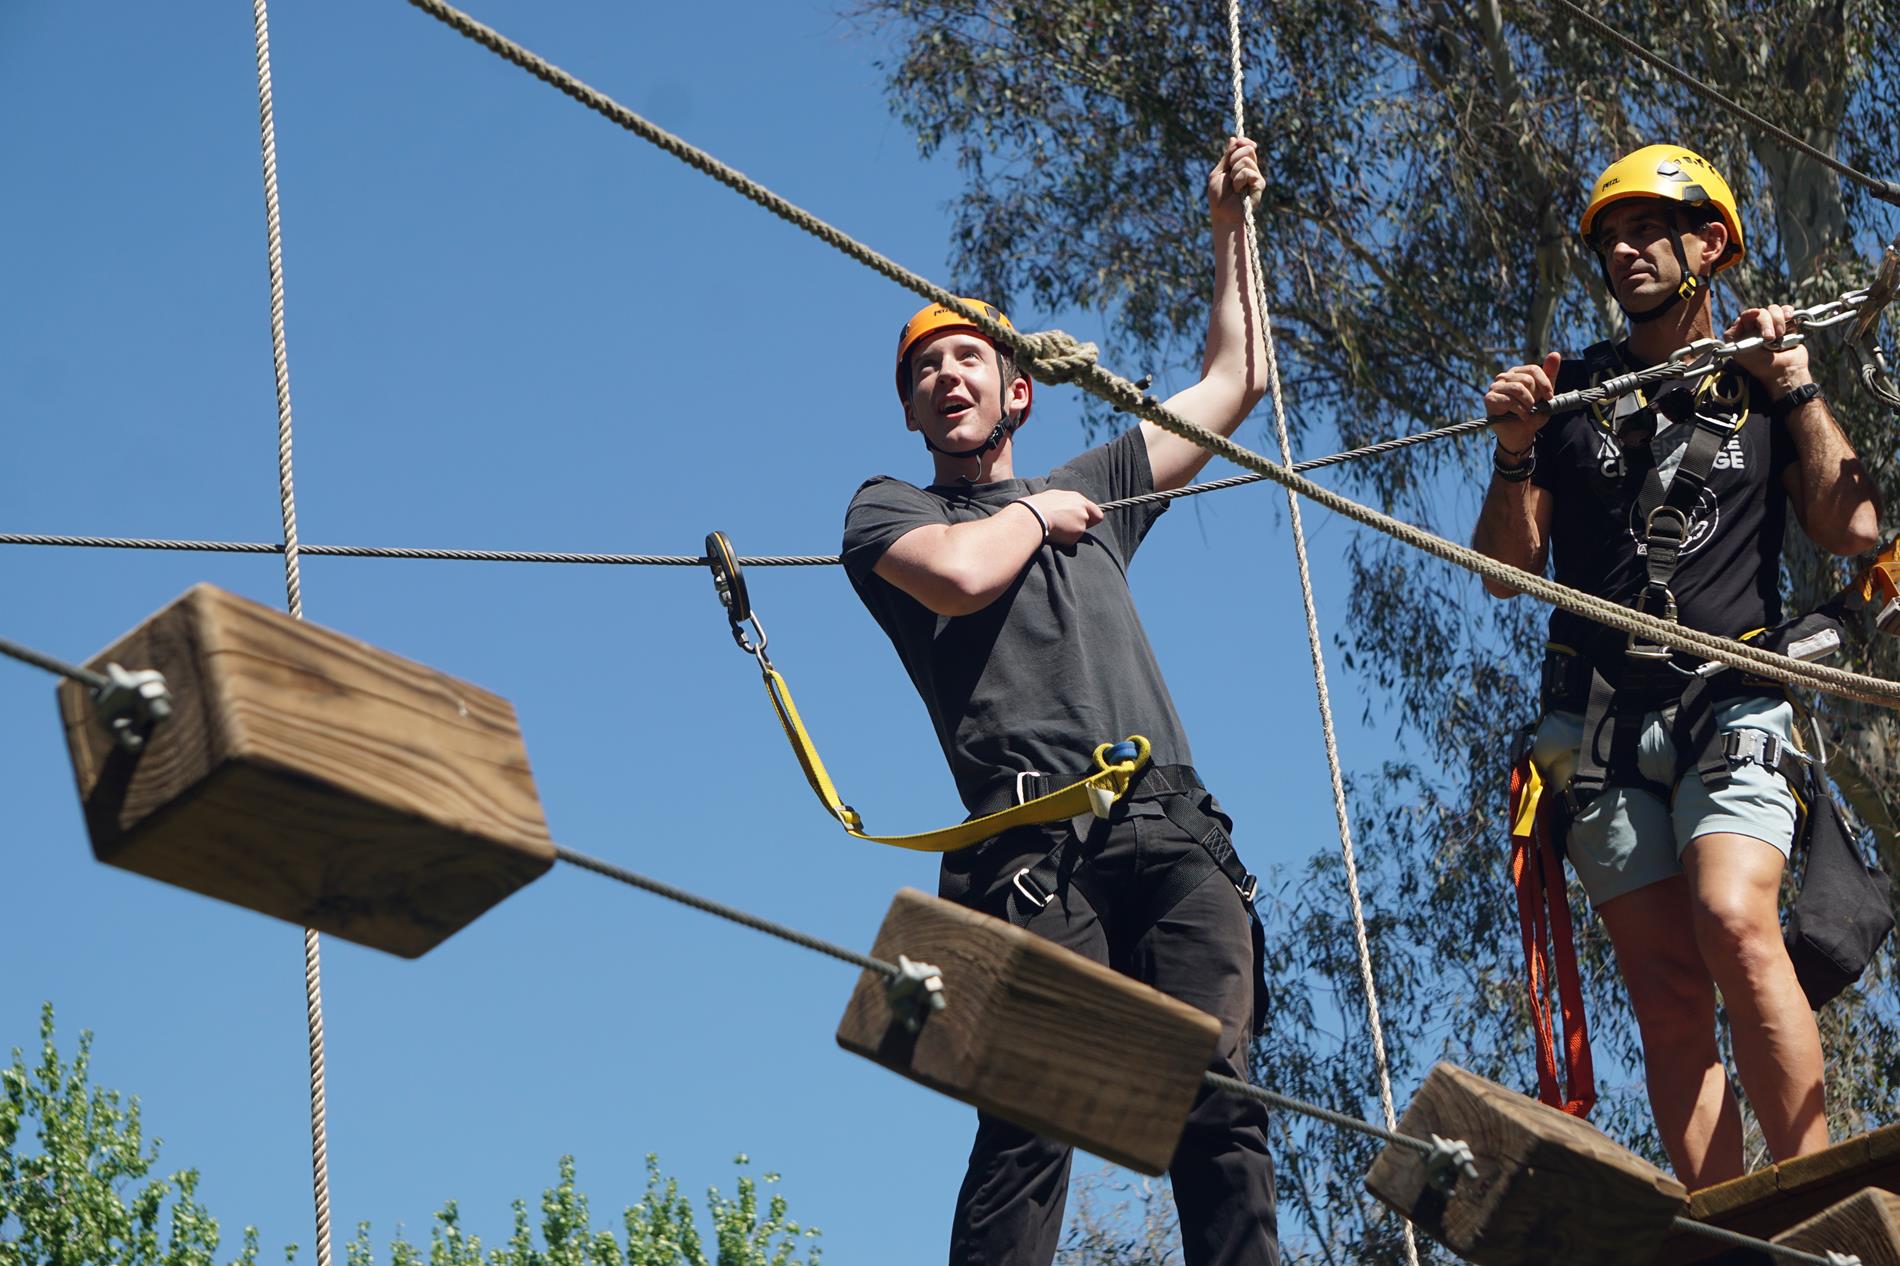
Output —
(1004, 428)
(1686, 291)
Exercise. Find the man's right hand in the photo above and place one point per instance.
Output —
(1070, 514)
(1513, 395)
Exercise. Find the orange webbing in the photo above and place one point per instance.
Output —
(1543, 912)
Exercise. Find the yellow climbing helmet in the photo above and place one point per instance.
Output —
(936, 318)
(1673, 174)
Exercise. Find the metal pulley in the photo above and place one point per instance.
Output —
(729, 584)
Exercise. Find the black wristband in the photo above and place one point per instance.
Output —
(1513, 472)
(1778, 410)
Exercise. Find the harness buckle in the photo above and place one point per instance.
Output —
(1669, 513)
(1248, 886)
(1022, 776)
(1032, 892)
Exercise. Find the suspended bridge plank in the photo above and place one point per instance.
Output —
(1866, 1225)
(1037, 1034)
(1550, 1188)
(312, 777)
(1772, 1200)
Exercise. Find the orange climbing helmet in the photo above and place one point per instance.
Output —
(936, 318)
(1675, 175)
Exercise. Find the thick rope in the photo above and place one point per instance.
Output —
(1053, 357)
(293, 594)
(1262, 313)
(1885, 190)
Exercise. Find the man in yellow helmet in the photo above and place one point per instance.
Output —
(1674, 500)
(1007, 600)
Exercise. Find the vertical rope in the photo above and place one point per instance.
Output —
(1254, 267)
(293, 597)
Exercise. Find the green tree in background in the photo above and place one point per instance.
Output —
(1427, 163)
(86, 1196)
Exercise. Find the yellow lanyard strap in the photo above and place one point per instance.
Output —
(1093, 794)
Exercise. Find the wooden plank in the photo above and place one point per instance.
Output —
(312, 777)
(1037, 1034)
(1866, 1225)
(1769, 1201)
(1550, 1188)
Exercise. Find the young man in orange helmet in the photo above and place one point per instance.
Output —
(1674, 501)
(1007, 599)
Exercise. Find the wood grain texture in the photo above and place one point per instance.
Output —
(311, 776)
(1037, 1034)
(1866, 1224)
(1550, 1189)
(1772, 1200)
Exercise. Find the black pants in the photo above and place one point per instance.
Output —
(1009, 1212)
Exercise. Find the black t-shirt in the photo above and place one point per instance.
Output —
(1727, 580)
(1059, 662)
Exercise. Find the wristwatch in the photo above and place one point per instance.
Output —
(1778, 410)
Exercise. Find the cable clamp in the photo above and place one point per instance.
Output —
(131, 703)
(915, 993)
(1449, 1160)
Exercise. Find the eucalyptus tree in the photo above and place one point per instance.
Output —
(1427, 163)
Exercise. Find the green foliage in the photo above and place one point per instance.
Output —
(85, 1196)
(661, 1230)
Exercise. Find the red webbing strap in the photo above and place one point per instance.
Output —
(1543, 912)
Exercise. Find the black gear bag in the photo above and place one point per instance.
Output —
(1844, 910)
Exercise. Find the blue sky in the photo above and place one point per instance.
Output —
(514, 326)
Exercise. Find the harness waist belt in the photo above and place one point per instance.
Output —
(1026, 785)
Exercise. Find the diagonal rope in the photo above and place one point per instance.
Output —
(1051, 356)
(293, 594)
(1256, 272)
(1885, 190)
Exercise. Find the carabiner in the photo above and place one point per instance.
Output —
(729, 584)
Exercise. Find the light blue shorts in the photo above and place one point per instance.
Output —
(1627, 838)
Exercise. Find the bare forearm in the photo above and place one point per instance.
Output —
(960, 568)
(1509, 530)
(1236, 349)
(1839, 503)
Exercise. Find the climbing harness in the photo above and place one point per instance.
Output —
(1117, 765)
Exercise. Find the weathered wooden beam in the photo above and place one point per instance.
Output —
(1036, 1034)
(310, 776)
(1771, 1200)
(1865, 1225)
(1551, 1189)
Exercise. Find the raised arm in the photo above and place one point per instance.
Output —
(1234, 367)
